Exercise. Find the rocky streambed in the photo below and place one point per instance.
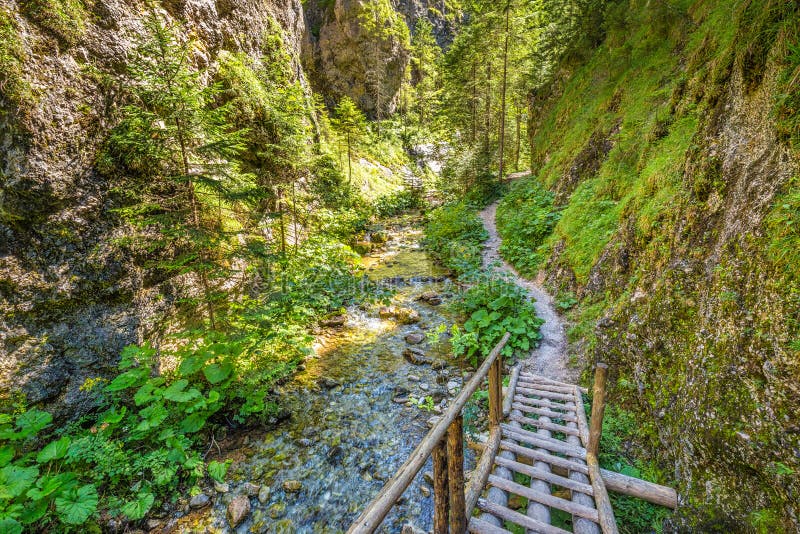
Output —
(360, 406)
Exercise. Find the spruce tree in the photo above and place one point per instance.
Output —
(178, 154)
(350, 123)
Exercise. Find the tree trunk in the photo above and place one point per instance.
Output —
(503, 96)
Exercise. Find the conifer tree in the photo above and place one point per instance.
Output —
(179, 157)
(350, 123)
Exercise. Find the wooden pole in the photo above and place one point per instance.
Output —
(496, 392)
(455, 475)
(598, 407)
(605, 512)
(512, 386)
(441, 494)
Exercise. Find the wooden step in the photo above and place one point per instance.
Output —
(552, 478)
(541, 456)
(539, 441)
(544, 412)
(569, 390)
(517, 518)
(543, 403)
(545, 498)
(543, 424)
(479, 526)
(545, 394)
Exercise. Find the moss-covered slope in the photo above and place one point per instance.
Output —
(670, 151)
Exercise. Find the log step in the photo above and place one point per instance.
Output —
(542, 403)
(539, 474)
(540, 456)
(479, 526)
(517, 518)
(545, 498)
(545, 425)
(546, 387)
(568, 417)
(539, 441)
(546, 394)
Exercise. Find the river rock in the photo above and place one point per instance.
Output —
(250, 489)
(400, 314)
(431, 297)
(304, 442)
(263, 494)
(432, 421)
(335, 455)
(199, 501)
(428, 476)
(277, 510)
(452, 386)
(413, 378)
(415, 338)
(438, 365)
(335, 322)
(400, 399)
(425, 490)
(238, 509)
(221, 487)
(328, 382)
(416, 356)
(292, 486)
(424, 387)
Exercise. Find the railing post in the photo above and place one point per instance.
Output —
(441, 493)
(455, 475)
(496, 391)
(598, 407)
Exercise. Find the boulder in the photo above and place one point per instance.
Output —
(292, 486)
(415, 338)
(263, 494)
(200, 500)
(416, 356)
(238, 510)
(250, 489)
(430, 297)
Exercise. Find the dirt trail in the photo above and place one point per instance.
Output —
(550, 358)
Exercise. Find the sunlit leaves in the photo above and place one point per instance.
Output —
(76, 505)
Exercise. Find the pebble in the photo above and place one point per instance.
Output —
(438, 365)
(415, 338)
(238, 509)
(199, 501)
(277, 510)
(221, 487)
(428, 476)
(425, 490)
(413, 378)
(250, 489)
(400, 399)
(292, 486)
(263, 494)
(424, 387)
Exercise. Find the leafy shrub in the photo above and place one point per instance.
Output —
(494, 306)
(525, 218)
(454, 235)
(397, 203)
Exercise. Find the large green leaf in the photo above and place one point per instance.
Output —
(10, 526)
(148, 391)
(45, 486)
(55, 450)
(137, 508)
(31, 422)
(33, 512)
(15, 480)
(193, 423)
(6, 455)
(217, 372)
(176, 392)
(192, 364)
(75, 506)
(217, 470)
(128, 379)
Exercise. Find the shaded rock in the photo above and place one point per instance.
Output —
(335, 322)
(221, 487)
(263, 494)
(416, 356)
(438, 365)
(415, 338)
(413, 378)
(335, 455)
(250, 489)
(424, 387)
(400, 399)
(292, 486)
(328, 382)
(238, 509)
(430, 297)
(199, 501)
(277, 510)
(304, 442)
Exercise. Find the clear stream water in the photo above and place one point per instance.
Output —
(342, 443)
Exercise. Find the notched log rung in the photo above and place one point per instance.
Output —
(545, 425)
(546, 387)
(540, 456)
(479, 526)
(546, 394)
(570, 418)
(517, 518)
(539, 474)
(544, 403)
(539, 441)
(545, 498)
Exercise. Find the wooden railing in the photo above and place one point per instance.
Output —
(445, 442)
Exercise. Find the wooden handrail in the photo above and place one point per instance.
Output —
(372, 516)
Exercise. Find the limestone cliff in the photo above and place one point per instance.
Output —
(69, 300)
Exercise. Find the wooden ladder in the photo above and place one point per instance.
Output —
(539, 430)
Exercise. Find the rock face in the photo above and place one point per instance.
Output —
(699, 309)
(359, 49)
(70, 302)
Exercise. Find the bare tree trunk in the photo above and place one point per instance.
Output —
(503, 96)
(518, 145)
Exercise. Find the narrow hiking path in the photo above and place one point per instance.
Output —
(550, 359)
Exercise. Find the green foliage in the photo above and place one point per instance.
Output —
(350, 124)
(13, 86)
(525, 219)
(398, 202)
(66, 19)
(784, 227)
(493, 306)
(454, 234)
